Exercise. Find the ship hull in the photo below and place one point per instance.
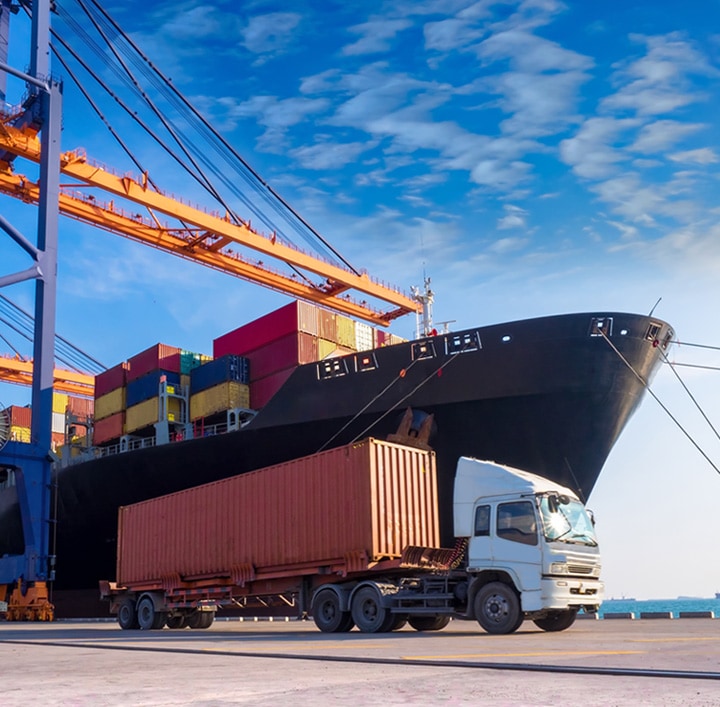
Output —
(550, 395)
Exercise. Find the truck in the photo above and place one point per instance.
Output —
(350, 537)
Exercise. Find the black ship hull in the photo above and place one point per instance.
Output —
(550, 395)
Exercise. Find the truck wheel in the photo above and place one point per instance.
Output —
(327, 614)
(497, 608)
(179, 621)
(127, 617)
(429, 623)
(368, 613)
(399, 620)
(201, 619)
(148, 618)
(557, 620)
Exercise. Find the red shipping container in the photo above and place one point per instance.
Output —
(160, 356)
(111, 379)
(263, 389)
(327, 328)
(278, 355)
(82, 408)
(294, 317)
(19, 416)
(373, 498)
(109, 428)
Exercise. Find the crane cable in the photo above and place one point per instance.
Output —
(659, 402)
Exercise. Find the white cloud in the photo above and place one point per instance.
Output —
(661, 134)
(375, 36)
(703, 155)
(502, 246)
(329, 155)
(271, 33)
(514, 218)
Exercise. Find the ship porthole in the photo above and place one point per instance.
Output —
(506, 339)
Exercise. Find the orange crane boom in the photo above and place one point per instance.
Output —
(13, 370)
(210, 239)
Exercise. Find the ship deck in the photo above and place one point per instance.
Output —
(596, 662)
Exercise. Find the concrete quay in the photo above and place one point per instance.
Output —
(264, 663)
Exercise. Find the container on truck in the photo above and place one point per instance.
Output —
(350, 536)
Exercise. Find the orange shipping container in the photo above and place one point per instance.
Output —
(372, 497)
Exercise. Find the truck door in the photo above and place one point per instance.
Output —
(516, 544)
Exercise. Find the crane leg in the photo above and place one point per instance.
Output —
(26, 603)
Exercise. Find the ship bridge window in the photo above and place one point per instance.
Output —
(462, 343)
(365, 362)
(332, 368)
(668, 338)
(601, 326)
(653, 331)
(423, 349)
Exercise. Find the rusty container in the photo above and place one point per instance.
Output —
(372, 497)
(113, 378)
(159, 356)
(109, 428)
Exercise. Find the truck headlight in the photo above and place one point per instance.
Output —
(559, 568)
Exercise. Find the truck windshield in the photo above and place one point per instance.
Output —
(566, 520)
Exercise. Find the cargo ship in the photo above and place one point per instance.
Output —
(550, 395)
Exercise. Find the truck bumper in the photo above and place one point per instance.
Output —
(566, 592)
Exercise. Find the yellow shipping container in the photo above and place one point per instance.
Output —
(345, 332)
(60, 401)
(110, 403)
(147, 413)
(19, 434)
(325, 348)
(225, 396)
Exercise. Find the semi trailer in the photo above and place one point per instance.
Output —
(350, 537)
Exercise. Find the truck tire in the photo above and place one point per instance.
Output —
(148, 618)
(368, 613)
(497, 608)
(201, 619)
(127, 616)
(429, 623)
(557, 620)
(327, 614)
(178, 621)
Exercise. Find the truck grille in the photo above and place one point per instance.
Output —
(579, 569)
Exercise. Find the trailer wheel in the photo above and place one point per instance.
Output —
(148, 618)
(399, 620)
(497, 608)
(201, 619)
(179, 621)
(127, 616)
(429, 623)
(327, 614)
(557, 620)
(368, 613)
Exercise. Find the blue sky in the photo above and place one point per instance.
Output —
(532, 157)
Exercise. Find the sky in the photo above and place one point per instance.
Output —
(531, 157)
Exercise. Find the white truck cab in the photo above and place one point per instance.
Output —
(532, 550)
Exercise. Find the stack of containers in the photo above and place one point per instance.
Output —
(218, 385)
(274, 346)
(21, 420)
(146, 370)
(109, 404)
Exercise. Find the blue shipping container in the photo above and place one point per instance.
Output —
(226, 368)
(147, 386)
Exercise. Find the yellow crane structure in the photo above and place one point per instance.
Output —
(16, 370)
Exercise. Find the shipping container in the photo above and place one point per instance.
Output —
(148, 386)
(224, 396)
(113, 378)
(363, 337)
(291, 319)
(327, 329)
(19, 416)
(371, 498)
(291, 350)
(345, 331)
(263, 389)
(82, 408)
(59, 402)
(57, 440)
(159, 356)
(382, 338)
(109, 428)
(190, 361)
(226, 368)
(325, 348)
(19, 434)
(110, 403)
(58, 422)
(147, 413)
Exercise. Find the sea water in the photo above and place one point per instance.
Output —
(674, 606)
